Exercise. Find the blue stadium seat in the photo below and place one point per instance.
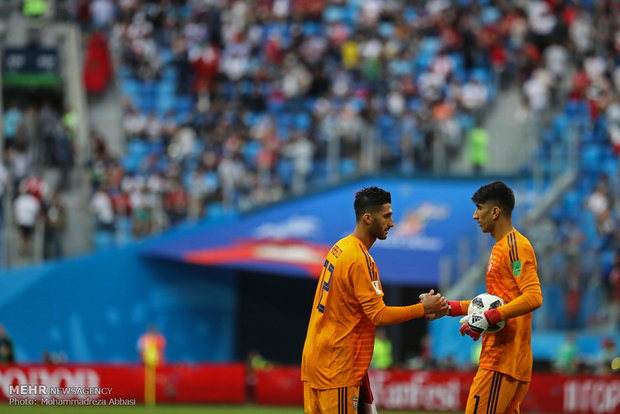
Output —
(430, 45)
(275, 106)
(170, 73)
(320, 171)
(103, 240)
(165, 102)
(348, 167)
(250, 150)
(410, 14)
(576, 110)
(554, 299)
(561, 125)
(423, 62)
(572, 204)
(590, 305)
(490, 15)
(130, 87)
(302, 121)
(334, 13)
(386, 29)
(251, 118)
(148, 96)
(481, 74)
(311, 28)
(184, 103)
(284, 168)
(166, 56)
(137, 147)
(591, 157)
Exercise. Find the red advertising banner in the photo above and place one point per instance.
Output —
(448, 391)
(121, 384)
(183, 383)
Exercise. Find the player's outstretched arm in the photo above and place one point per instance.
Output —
(381, 315)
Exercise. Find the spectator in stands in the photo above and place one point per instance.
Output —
(598, 201)
(566, 361)
(4, 183)
(102, 208)
(613, 283)
(573, 291)
(300, 150)
(152, 346)
(612, 115)
(102, 12)
(55, 226)
(382, 354)
(536, 90)
(12, 123)
(558, 64)
(7, 356)
(143, 204)
(176, 202)
(478, 149)
(607, 354)
(49, 123)
(26, 209)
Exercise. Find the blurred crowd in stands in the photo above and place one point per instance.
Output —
(230, 105)
(234, 104)
(36, 136)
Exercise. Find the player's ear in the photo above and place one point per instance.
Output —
(367, 218)
(496, 212)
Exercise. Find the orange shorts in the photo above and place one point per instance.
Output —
(342, 400)
(495, 393)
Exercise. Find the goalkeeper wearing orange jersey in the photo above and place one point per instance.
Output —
(347, 306)
(505, 368)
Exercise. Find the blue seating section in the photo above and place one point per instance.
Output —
(595, 160)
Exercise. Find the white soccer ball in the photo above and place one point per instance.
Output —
(482, 303)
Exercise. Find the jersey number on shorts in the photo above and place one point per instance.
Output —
(325, 282)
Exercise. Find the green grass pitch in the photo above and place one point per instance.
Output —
(172, 409)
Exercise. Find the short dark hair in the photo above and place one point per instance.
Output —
(496, 193)
(370, 199)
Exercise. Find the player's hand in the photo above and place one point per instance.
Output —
(476, 324)
(434, 303)
(433, 316)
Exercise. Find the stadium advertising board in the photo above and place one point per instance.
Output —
(226, 384)
(448, 391)
(120, 384)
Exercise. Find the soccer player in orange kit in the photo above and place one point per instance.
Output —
(347, 306)
(505, 368)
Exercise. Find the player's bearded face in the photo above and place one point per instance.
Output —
(382, 221)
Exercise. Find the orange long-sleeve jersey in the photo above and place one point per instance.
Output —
(512, 275)
(347, 306)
